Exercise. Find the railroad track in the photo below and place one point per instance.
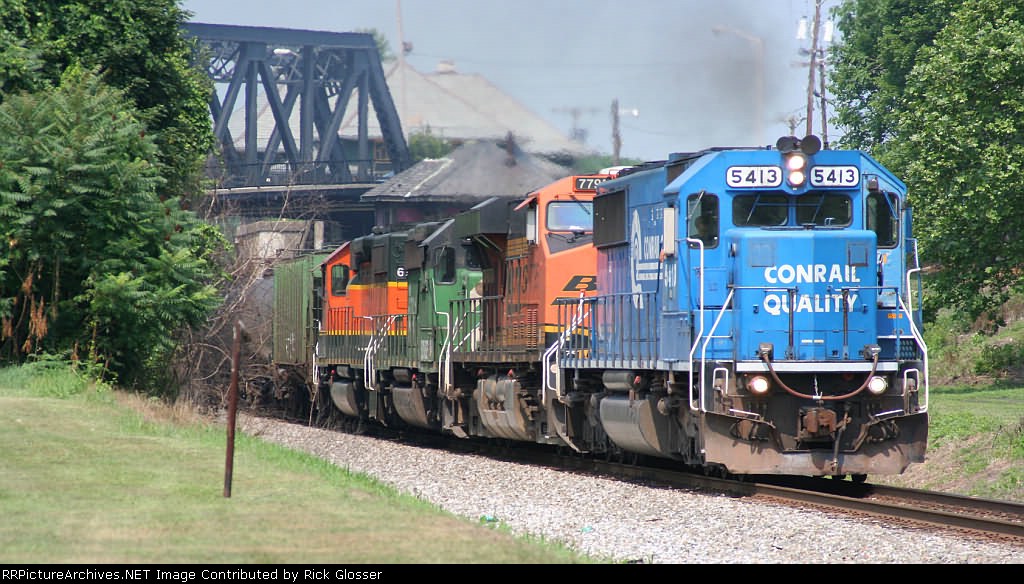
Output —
(987, 519)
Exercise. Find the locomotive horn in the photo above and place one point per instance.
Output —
(787, 144)
(810, 145)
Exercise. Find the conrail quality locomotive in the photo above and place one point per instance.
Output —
(738, 310)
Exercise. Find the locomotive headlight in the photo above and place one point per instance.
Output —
(796, 164)
(758, 385)
(878, 385)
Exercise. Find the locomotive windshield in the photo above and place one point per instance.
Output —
(823, 209)
(772, 209)
(760, 210)
(571, 216)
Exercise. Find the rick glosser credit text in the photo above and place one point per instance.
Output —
(190, 575)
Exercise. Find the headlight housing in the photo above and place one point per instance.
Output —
(877, 385)
(758, 385)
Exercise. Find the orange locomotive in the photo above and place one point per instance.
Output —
(538, 262)
(365, 299)
(462, 348)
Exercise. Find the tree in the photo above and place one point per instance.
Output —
(383, 46)
(960, 146)
(931, 88)
(868, 70)
(424, 144)
(96, 263)
(138, 47)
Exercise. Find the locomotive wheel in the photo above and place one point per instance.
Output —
(859, 478)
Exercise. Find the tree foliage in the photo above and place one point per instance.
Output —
(137, 45)
(424, 144)
(934, 89)
(104, 128)
(95, 264)
(594, 163)
(868, 70)
(383, 46)
(961, 147)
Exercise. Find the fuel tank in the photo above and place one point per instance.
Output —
(636, 425)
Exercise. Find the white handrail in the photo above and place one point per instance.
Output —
(376, 342)
(704, 347)
(444, 358)
(924, 350)
(549, 353)
(910, 272)
(700, 333)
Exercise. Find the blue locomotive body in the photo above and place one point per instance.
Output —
(755, 314)
(737, 310)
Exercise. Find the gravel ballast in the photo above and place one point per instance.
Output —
(622, 521)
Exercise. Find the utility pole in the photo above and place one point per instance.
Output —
(824, 104)
(576, 132)
(816, 66)
(616, 135)
(813, 68)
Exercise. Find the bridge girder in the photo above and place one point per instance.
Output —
(319, 71)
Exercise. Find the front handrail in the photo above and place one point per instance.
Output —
(376, 342)
(700, 333)
(704, 352)
(548, 360)
(919, 339)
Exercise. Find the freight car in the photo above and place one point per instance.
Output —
(737, 310)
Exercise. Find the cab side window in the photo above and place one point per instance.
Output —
(339, 279)
(702, 218)
(444, 265)
(882, 217)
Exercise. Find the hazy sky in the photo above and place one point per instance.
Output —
(691, 87)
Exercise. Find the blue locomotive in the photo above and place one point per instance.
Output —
(757, 312)
(737, 310)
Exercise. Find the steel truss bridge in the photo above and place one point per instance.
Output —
(319, 74)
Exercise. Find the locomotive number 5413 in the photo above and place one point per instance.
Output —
(760, 177)
(835, 176)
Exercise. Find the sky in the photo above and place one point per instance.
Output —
(680, 85)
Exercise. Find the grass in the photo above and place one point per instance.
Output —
(975, 443)
(90, 475)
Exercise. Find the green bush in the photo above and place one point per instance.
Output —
(999, 360)
(53, 376)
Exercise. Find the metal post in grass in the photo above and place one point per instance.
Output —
(236, 351)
